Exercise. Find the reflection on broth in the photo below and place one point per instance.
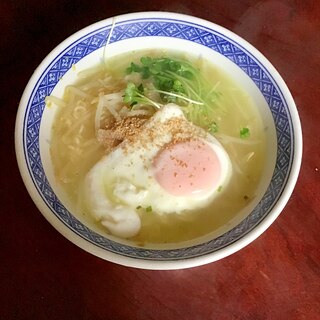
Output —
(157, 147)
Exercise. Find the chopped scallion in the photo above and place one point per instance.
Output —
(244, 133)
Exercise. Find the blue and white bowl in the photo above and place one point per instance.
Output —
(166, 31)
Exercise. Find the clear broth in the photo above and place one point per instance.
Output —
(74, 150)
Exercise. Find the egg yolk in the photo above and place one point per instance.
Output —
(187, 168)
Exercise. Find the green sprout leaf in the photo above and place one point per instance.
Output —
(244, 133)
(213, 128)
(134, 95)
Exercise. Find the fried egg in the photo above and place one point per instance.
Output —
(169, 166)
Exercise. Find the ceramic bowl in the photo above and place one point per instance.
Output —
(166, 31)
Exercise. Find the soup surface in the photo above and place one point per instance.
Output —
(118, 132)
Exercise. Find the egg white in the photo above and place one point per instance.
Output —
(123, 181)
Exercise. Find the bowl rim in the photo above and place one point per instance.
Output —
(146, 263)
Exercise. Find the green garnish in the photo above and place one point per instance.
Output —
(168, 77)
(244, 133)
(213, 128)
(147, 209)
(176, 81)
(219, 189)
(134, 95)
